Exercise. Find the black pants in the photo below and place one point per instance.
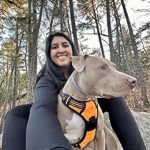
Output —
(122, 121)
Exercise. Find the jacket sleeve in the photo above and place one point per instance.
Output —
(43, 130)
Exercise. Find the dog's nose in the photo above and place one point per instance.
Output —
(132, 80)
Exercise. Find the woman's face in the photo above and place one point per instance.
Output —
(61, 52)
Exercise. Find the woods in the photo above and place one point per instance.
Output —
(24, 26)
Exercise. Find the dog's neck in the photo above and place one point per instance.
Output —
(77, 86)
(73, 88)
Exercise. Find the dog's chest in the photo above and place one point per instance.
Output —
(75, 128)
(80, 129)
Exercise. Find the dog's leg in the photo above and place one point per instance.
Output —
(105, 140)
(99, 141)
(111, 143)
(90, 146)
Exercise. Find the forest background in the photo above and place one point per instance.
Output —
(97, 27)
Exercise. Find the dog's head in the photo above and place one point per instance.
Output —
(98, 76)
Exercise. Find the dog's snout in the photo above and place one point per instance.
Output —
(132, 80)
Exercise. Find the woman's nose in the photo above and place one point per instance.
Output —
(61, 49)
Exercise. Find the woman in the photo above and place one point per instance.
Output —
(36, 127)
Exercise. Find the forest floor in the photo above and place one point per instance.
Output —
(138, 106)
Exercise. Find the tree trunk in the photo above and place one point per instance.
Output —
(68, 23)
(61, 15)
(32, 45)
(98, 31)
(112, 52)
(74, 30)
(138, 65)
(29, 69)
(15, 89)
(120, 37)
(53, 15)
(7, 97)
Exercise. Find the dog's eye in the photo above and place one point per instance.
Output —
(102, 67)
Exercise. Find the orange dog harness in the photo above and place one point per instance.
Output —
(87, 110)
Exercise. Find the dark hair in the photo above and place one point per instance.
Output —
(50, 68)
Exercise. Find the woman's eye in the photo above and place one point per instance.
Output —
(54, 47)
(65, 46)
(102, 67)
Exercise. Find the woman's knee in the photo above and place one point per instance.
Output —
(19, 111)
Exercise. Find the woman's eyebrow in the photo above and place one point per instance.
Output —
(54, 44)
(61, 43)
(65, 42)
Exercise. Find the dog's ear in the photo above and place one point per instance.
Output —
(78, 62)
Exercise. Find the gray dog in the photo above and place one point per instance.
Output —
(80, 116)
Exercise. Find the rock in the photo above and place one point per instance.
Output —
(143, 122)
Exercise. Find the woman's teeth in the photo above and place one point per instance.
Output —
(61, 56)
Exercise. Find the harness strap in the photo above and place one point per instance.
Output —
(88, 112)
